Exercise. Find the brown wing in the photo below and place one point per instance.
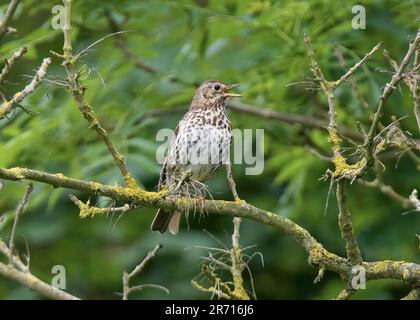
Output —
(164, 172)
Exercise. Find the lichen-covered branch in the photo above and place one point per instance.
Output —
(317, 254)
(413, 295)
(342, 168)
(18, 97)
(87, 210)
(346, 227)
(85, 108)
(238, 264)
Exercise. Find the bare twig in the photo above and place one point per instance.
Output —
(357, 93)
(6, 106)
(19, 211)
(353, 69)
(121, 43)
(4, 25)
(388, 191)
(11, 61)
(139, 268)
(389, 87)
(306, 121)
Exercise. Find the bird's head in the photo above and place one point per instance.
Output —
(213, 93)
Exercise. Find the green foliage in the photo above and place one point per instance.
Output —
(256, 43)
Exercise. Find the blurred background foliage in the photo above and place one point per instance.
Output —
(256, 43)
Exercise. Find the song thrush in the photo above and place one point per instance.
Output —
(199, 147)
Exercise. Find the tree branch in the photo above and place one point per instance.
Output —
(353, 69)
(85, 108)
(305, 121)
(32, 282)
(16, 270)
(19, 211)
(388, 191)
(346, 228)
(6, 106)
(4, 25)
(318, 255)
(238, 264)
(11, 61)
(413, 295)
(342, 169)
(389, 87)
(139, 268)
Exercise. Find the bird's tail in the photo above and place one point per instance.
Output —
(166, 219)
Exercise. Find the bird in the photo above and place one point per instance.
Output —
(199, 147)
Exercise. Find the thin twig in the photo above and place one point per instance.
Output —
(388, 191)
(4, 25)
(5, 107)
(11, 61)
(139, 268)
(85, 108)
(18, 213)
(122, 44)
(389, 87)
(17, 262)
(355, 88)
(353, 69)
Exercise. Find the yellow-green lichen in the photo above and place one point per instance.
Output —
(61, 176)
(343, 169)
(87, 211)
(18, 173)
(334, 140)
(96, 186)
(129, 180)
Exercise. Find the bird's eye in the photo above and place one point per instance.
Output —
(216, 87)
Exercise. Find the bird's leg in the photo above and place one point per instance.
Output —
(184, 177)
(231, 181)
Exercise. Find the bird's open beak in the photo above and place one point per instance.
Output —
(228, 88)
